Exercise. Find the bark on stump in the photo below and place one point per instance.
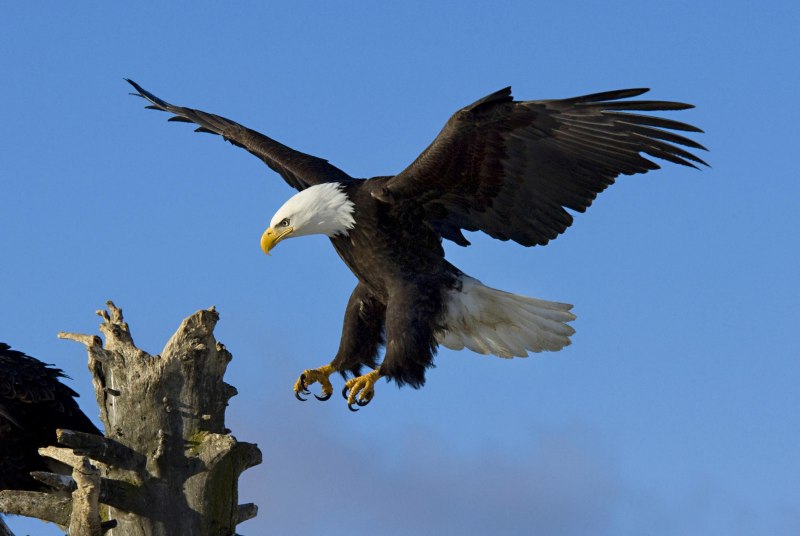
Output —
(167, 466)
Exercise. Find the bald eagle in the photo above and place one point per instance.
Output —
(508, 168)
(33, 404)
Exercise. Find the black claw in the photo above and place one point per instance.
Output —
(298, 397)
(351, 408)
(303, 382)
(324, 397)
(345, 392)
(363, 403)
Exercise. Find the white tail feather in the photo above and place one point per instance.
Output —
(491, 321)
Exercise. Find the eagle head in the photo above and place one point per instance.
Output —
(319, 209)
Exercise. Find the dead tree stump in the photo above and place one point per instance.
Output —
(167, 465)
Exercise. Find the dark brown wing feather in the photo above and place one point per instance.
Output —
(33, 404)
(298, 169)
(511, 168)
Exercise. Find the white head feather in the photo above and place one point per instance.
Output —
(320, 209)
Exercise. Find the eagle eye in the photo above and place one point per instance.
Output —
(284, 222)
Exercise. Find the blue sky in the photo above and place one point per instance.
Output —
(673, 412)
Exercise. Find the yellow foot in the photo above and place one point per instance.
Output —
(311, 376)
(360, 390)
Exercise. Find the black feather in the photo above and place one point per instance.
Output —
(608, 95)
(33, 404)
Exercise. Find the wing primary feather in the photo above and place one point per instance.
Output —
(652, 121)
(601, 152)
(670, 156)
(644, 105)
(664, 146)
(614, 141)
(146, 94)
(615, 94)
(662, 135)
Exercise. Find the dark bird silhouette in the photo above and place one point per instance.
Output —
(511, 169)
(33, 404)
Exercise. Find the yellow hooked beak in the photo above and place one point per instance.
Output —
(271, 237)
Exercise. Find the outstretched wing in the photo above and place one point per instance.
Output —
(298, 169)
(511, 168)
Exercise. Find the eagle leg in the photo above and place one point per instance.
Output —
(308, 377)
(361, 390)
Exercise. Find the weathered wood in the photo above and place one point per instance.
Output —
(167, 464)
(85, 517)
(101, 449)
(122, 495)
(46, 506)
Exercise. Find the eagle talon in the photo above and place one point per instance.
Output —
(312, 376)
(351, 408)
(361, 390)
